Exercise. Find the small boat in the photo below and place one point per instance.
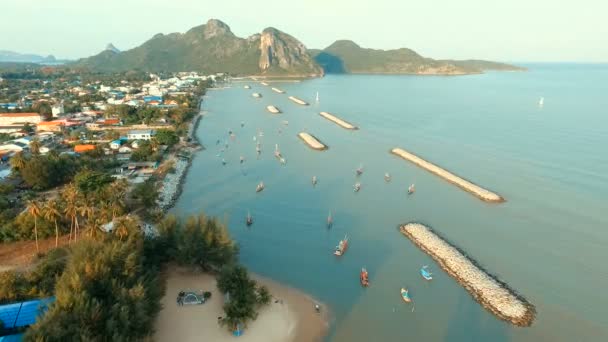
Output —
(256, 95)
(217, 142)
(247, 87)
(283, 161)
(314, 180)
(541, 102)
(255, 138)
(223, 161)
(249, 219)
(261, 134)
(411, 189)
(405, 295)
(424, 272)
(242, 123)
(360, 170)
(260, 187)
(330, 220)
(341, 247)
(357, 187)
(363, 278)
(242, 159)
(317, 99)
(387, 177)
(285, 122)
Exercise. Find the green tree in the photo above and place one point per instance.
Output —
(18, 161)
(34, 210)
(51, 212)
(35, 146)
(166, 137)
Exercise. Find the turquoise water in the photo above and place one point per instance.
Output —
(548, 241)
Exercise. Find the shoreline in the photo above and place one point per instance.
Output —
(490, 292)
(290, 316)
(470, 187)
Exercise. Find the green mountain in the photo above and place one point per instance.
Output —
(345, 56)
(212, 48)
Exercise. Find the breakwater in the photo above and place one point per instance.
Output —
(312, 141)
(298, 101)
(472, 188)
(491, 293)
(338, 121)
(273, 109)
(264, 83)
(277, 90)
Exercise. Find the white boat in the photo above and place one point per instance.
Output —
(359, 171)
(411, 189)
(387, 177)
(260, 187)
(541, 102)
(247, 87)
(314, 180)
(357, 187)
(341, 247)
(317, 99)
(242, 159)
(256, 95)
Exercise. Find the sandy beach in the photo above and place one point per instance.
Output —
(289, 318)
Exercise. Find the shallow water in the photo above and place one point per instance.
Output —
(548, 241)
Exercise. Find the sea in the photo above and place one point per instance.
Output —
(548, 241)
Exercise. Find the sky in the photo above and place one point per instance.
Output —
(510, 31)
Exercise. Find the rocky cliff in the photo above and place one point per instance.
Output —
(280, 52)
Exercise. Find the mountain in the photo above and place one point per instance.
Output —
(10, 56)
(212, 47)
(110, 47)
(345, 56)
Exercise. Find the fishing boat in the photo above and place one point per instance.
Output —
(283, 161)
(424, 272)
(242, 159)
(260, 187)
(256, 95)
(242, 123)
(330, 220)
(387, 177)
(411, 189)
(357, 187)
(541, 102)
(249, 219)
(314, 180)
(359, 170)
(223, 161)
(405, 295)
(341, 247)
(285, 122)
(247, 87)
(364, 278)
(317, 99)
(277, 152)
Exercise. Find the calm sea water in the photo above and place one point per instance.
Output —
(548, 241)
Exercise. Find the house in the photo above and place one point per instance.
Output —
(116, 144)
(84, 148)
(7, 119)
(12, 146)
(143, 134)
(57, 125)
(125, 149)
(57, 109)
(11, 129)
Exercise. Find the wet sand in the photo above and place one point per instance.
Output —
(289, 318)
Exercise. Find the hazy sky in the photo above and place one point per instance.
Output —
(507, 30)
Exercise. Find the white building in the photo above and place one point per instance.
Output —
(105, 89)
(13, 146)
(144, 134)
(57, 109)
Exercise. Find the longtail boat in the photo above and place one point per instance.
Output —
(411, 189)
(405, 295)
(260, 187)
(364, 278)
(341, 247)
(249, 219)
(314, 180)
(424, 272)
(359, 170)
(330, 220)
(387, 177)
(357, 187)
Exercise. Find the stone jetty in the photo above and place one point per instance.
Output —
(298, 101)
(312, 142)
(277, 90)
(170, 189)
(490, 292)
(273, 109)
(481, 193)
(264, 83)
(338, 121)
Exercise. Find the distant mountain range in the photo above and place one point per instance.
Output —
(213, 47)
(10, 56)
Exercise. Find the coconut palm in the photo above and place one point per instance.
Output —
(18, 161)
(70, 196)
(35, 146)
(33, 208)
(51, 212)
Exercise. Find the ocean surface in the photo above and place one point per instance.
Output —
(548, 241)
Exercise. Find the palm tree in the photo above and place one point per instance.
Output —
(70, 195)
(154, 144)
(33, 208)
(51, 212)
(18, 161)
(35, 146)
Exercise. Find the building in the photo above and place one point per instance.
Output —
(144, 134)
(18, 316)
(57, 109)
(116, 144)
(125, 149)
(84, 148)
(7, 119)
(12, 146)
(57, 125)
(10, 129)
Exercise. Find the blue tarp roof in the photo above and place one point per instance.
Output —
(12, 338)
(23, 314)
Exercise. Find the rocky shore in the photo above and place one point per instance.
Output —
(481, 193)
(490, 292)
